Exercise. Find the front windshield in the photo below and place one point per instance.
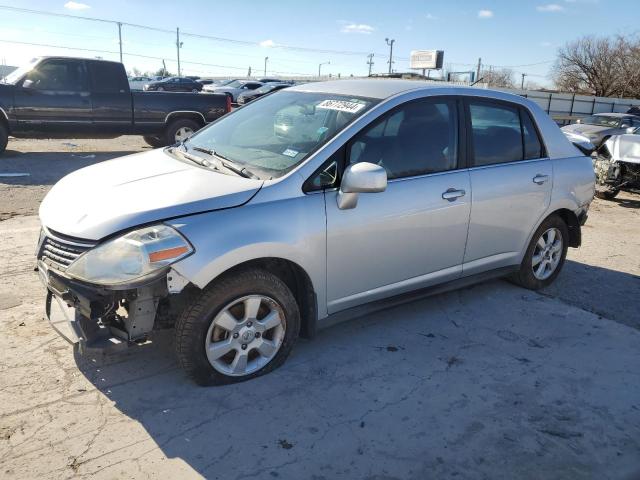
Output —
(601, 121)
(234, 84)
(265, 89)
(18, 73)
(272, 136)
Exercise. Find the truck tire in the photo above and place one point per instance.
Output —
(4, 137)
(239, 327)
(545, 255)
(154, 141)
(180, 129)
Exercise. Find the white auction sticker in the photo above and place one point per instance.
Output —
(341, 106)
(290, 152)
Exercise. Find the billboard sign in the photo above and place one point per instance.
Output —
(426, 59)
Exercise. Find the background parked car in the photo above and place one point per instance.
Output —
(174, 84)
(599, 127)
(234, 88)
(138, 83)
(267, 80)
(246, 97)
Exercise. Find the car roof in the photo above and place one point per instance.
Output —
(616, 115)
(385, 88)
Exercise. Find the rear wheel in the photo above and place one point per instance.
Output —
(154, 141)
(4, 137)
(238, 328)
(180, 129)
(545, 255)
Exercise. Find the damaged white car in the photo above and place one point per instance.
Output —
(617, 166)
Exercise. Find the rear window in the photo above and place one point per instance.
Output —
(502, 133)
(108, 77)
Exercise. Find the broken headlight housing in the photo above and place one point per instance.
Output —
(134, 257)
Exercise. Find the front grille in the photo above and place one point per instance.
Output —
(58, 251)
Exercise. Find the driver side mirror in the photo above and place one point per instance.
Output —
(359, 178)
(631, 130)
(27, 84)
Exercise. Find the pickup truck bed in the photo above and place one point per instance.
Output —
(86, 98)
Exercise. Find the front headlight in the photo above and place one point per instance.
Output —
(134, 256)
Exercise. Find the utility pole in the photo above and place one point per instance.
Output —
(522, 83)
(265, 65)
(178, 47)
(320, 67)
(390, 43)
(120, 39)
(249, 72)
(370, 62)
(478, 70)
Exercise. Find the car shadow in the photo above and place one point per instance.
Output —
(609, 293)
(419, 389)
(627, 202)
(46, 168)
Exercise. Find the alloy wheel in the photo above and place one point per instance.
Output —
(183, 133)
(245, 335)
(547, 254)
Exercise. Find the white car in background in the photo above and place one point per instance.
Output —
(233, 88)
(138, 83)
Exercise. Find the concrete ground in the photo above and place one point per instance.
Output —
(489, 382)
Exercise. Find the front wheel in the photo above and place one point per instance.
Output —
(545, 255)
(238, 328)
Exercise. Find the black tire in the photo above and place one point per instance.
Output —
(175, 125)
(194, 322)
(4, 137)
(607, 194)
(525, 276)
(154, 141)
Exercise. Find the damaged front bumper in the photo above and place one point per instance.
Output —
(99, 319)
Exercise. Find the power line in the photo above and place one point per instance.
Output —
(114, 52)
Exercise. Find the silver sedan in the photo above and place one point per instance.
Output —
(305, 208)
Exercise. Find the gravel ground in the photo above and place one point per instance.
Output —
(487, 382)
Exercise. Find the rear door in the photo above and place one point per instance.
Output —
(111, 98)
(511, 179)
(54, 97)
(413, 234)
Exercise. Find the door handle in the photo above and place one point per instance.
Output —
(540, 179)
(451, 194)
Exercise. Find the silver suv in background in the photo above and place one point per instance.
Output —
(303, 208)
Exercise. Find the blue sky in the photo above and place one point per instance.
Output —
(520, 34)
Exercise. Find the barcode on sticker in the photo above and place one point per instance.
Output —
(341, 106)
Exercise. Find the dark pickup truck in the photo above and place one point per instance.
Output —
(61, 97)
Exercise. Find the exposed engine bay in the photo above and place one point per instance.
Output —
(617, 166)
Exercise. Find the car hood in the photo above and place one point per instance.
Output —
(97, 201)
(588, 130)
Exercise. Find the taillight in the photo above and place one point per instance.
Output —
(228, 103)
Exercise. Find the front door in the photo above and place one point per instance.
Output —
(54, 98)
(511, 178)
(414, 233)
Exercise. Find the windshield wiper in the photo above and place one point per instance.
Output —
(194, 158)
(226, 163)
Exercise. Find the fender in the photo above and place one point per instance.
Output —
(225, 238)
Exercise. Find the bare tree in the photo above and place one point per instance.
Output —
(608, 66)
(498, 78)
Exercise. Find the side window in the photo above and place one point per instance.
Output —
(59, 75)
(532, 144)
(107, 78)
(417, 138)
(496, 133)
